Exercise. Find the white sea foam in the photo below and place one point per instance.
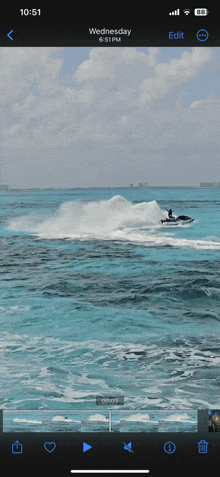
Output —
(98, 417)
(11, 310)
(63, 419)
(99, 219)
(177, 418)
(18, 419)
(113, 219)
(137, 417)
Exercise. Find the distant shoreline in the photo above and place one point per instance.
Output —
(104, 188)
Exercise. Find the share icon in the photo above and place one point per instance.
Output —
(128, 447)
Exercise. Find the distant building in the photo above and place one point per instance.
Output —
(4, 187)
(131, 185)
(142, 185)
(210, 184)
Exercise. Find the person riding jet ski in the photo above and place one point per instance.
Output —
(170, 214)
(173, 220)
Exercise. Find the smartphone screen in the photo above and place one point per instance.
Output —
(109, 243)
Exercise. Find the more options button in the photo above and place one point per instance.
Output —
(202, 35)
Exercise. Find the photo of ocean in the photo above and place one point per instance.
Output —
(99, 298)
(93, 421)
(139, 421)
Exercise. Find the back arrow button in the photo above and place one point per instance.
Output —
(10, 34)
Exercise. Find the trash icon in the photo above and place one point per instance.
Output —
(203, 447)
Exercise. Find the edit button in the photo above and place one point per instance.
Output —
(179, 35)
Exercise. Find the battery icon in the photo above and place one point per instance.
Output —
(201, 12)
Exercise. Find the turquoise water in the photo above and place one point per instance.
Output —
(98, 298)
(99, 421)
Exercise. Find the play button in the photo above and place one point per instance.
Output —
(86, 447)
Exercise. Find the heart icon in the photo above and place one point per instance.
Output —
(49, 446)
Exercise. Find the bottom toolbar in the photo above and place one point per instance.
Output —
(81, 453)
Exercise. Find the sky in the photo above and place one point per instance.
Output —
(108, 117)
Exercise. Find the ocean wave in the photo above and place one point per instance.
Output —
(64, 419)
(115, 219)
(179, 364)
(12, 310)
(18, 419)
(177, 418)
(98, 417)
(138, 417)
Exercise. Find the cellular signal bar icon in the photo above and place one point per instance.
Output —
(175, 12)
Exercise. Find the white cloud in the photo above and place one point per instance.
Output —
(174, 73)
(209, 102)
(21, 67)
(108, 104)
(120, 99)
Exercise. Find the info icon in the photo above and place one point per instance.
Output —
(169, 447)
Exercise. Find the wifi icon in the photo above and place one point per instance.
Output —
(186, 11)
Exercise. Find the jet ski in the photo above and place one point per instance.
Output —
(184, 219)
